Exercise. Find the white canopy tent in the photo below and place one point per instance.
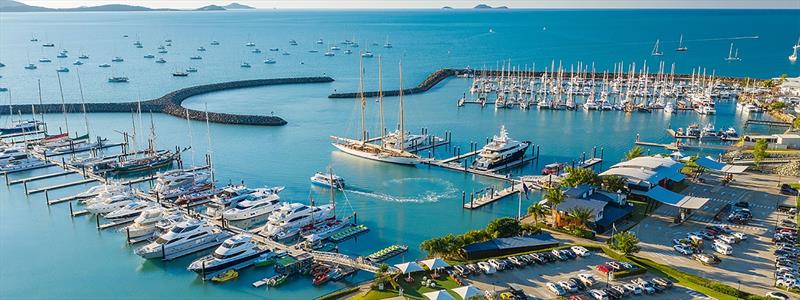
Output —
(710, 163)
(439, 295)
(408, 268)
(467, 291)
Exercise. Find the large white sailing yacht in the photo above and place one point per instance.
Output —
(362, 148)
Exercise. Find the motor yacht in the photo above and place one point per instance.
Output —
(129, 211)
(103, 189)
(149, 56)
(245, 65)
(30, 67)
(708, 133)
(214, 43)
(117, 59)
(292, 217)
(161, 60)
(269, 61)
(182, 239)
(251, 208)
(196, 57)
(234, 253)
(117, 79)
(201, 48)
(45, 60)
(24, 164)
(501, 151)
(151, 221)
(590, 104)
(328, 180)
(191, 70)
(109, 204)
(77, 63)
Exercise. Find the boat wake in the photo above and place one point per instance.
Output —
(434, 190)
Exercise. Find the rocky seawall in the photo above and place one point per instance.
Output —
(171, 103)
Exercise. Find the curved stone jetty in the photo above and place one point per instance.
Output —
(171, 103)
(442, 74)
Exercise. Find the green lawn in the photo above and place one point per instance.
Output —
(411, 290)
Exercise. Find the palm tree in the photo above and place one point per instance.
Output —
(555, 196)
(614, 183)
(635, 152)
(537, 210)
(582, 215)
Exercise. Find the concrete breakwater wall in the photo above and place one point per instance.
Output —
(171, 103)
(434, 78)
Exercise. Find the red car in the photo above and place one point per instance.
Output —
(603, 268)
(578, 297)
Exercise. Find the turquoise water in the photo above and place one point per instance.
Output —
(46, 254)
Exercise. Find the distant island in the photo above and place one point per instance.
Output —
(486, 6)
(235, 5)
(15, 6)
(447, 7)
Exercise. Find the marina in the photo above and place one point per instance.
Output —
(269, 126)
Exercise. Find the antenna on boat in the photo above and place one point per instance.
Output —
(83, 103)
(210, 149)
(39, 83)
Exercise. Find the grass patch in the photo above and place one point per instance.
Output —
(413, 290)
(338, 294)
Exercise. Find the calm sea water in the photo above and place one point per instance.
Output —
(46, 254)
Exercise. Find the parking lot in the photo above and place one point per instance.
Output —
(533, 279)
(751, 265)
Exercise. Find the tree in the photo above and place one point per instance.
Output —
(796, 123)
(776, 105)
(503, 227)
(760, 151)
(625, 242)
(381, 276)
(582, 215)
(635, 152)
(537, 210)
(555, 196)
(577, 176)
(614, 183)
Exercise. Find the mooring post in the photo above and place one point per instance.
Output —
(97, 221)
(128, 235)
(25, 184)
(71, 214)
(463, 198)
(6, 174)
(47, 195)
(471, 200)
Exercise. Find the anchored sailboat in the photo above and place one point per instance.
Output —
(362, 148)
(657, 52)
(793, 57)
(733, 56)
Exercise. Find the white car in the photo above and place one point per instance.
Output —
(727, 238)
(496, 264)
(587, 279)
(568, 287)
(580, 250)
(778, 295)
(683, 249)
(787, 283)
(740, 236)
(634, 289)
(557, 290)
(487, 268)
(598, 295)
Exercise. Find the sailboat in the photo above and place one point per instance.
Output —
(361, 148)
(733, 56)
(656, 52)
(681, 47)
(793, 57)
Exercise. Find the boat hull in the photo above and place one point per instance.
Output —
(409, 161)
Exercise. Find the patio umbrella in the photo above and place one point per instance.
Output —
(467, 291)
(408, 268)
(439, 295)
(435, 263)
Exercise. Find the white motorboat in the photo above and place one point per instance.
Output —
(110, 204)
(291, 217)
(326, 230)
(231, 195)
(151, 220)
(590, 104)
(251, 208)
(234, 253)
(501, 151)
(328, 180)
(412, 141)
(103, 188)
(669, 108)
(129, 211)
(182, 239)
(24, 164)
(708, 133)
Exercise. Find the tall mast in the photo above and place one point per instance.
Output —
(210, 149)
(83, 103)
(363, 100)
(63, 104)
(39, 82)
(189, 128)
(380, 97)
(402, 127)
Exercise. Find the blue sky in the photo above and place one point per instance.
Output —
(435, 3)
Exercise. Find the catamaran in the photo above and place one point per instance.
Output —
(362, 148)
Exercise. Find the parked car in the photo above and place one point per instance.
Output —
(603, 268)
(569, 286)
(727, 238)
(598, 294)
(569, 253)
(577, 282)
(587, 279)
(663, 281)
(579, 297)
(517, 261)
(556, 289)
(461, 270)
(683, 249)
(612, 294)
(633, 289)
(740, 236)
(708, 259)
(777, 295)
(580, 250)
(786, 189)
(496, 264)
(620, 289)
(614, 265)
(487, 268)
(473, 268)
(742, 204)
